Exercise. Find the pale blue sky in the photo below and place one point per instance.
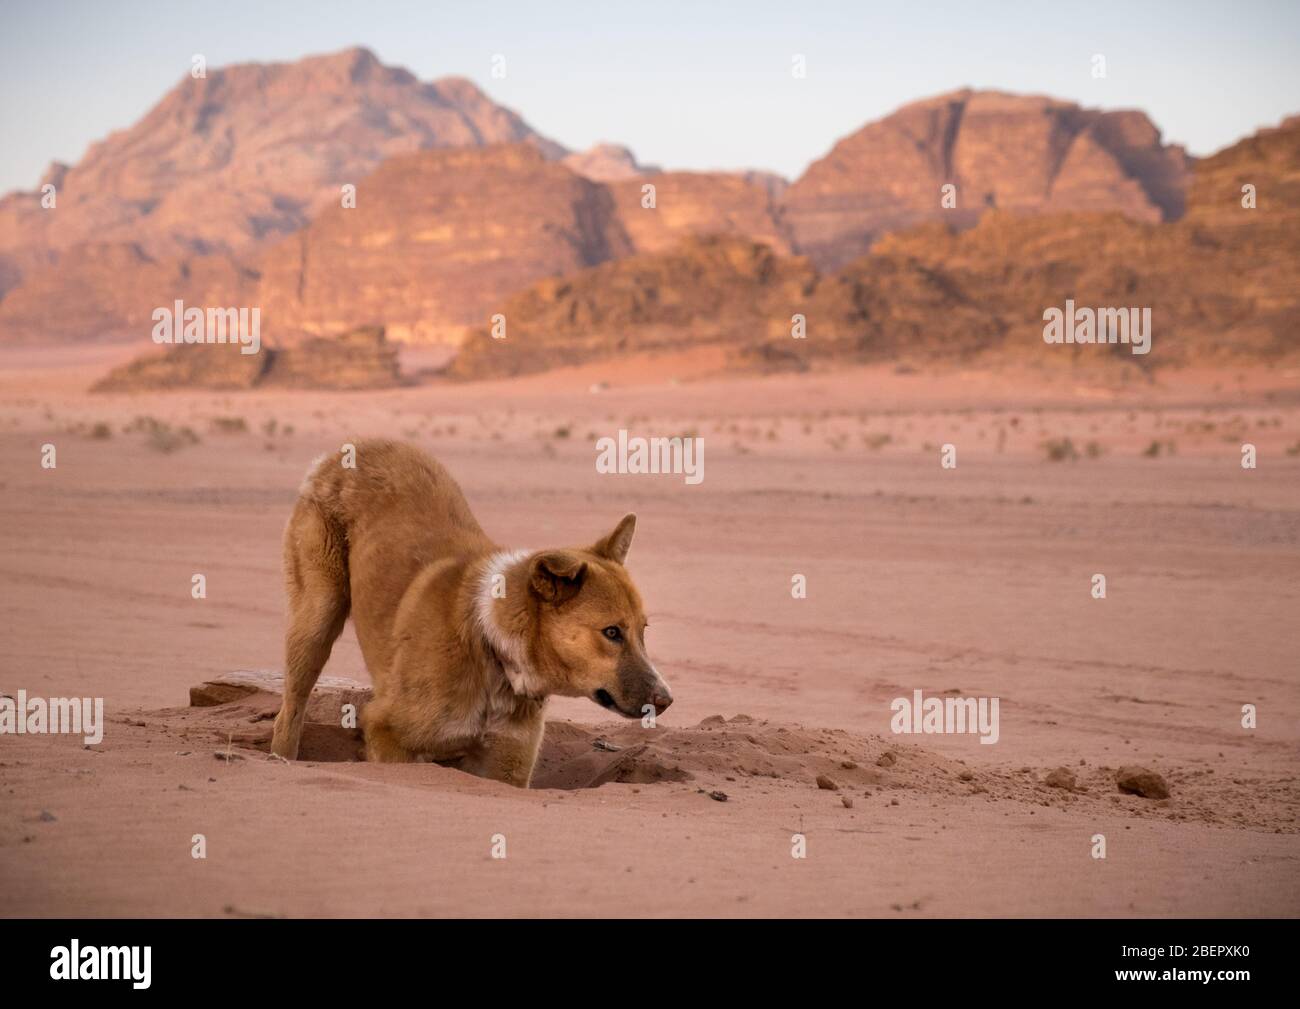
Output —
(685, 85)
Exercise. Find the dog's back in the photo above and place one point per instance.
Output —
(368, 519)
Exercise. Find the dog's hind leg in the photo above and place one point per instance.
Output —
(316, 576)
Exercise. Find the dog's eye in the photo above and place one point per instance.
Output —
(613, 633)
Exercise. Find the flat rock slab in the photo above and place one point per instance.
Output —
(325, 704)
(239, 709)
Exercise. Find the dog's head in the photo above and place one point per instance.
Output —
(589, 632)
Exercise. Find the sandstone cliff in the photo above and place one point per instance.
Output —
(1012, 152)
(1222, 284)
(436, 242)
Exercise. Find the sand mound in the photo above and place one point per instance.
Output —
(237, 712)
(732, 758)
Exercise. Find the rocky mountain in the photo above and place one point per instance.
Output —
(704, 290)
(1222, 284)
(698, 203)
(244, 155)
(606, 162)
(228, 193)
(1000, 151)
(1269, 163)
(109, 290)
(436, 241)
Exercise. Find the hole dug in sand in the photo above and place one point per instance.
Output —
(241, 708)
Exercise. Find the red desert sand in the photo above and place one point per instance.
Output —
(971, 582)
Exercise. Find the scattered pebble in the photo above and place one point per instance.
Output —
(887, 759)
(1062, 777)
(827, 783)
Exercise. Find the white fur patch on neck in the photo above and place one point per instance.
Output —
(508, 649)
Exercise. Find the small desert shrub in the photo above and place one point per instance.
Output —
(101, 431)
(229, 425)
(165, 438)
(1060, 450)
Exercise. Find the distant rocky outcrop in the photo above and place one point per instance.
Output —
(109, 291)
(1001, 151)
(607, 162)
(704, 290)
(360, 359)
(1267, 162)
(699, 203)
(438, 240)
(1222, 284)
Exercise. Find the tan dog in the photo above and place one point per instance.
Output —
(464, 640)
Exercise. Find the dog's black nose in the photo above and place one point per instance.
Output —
(661, 700)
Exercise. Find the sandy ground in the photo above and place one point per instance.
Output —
(973, 581)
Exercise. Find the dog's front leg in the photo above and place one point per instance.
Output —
(508, 753)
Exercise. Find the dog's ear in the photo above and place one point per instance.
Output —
(616, 545)
(556, 576)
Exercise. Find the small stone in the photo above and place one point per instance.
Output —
(1062, 777)
(1141, 781)
(826, 783)
(718, 796)
(605, 744)
(887, 759)
(966, 776)
(46, 816)
(848, 765)
(229, 756)
(848, 803)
